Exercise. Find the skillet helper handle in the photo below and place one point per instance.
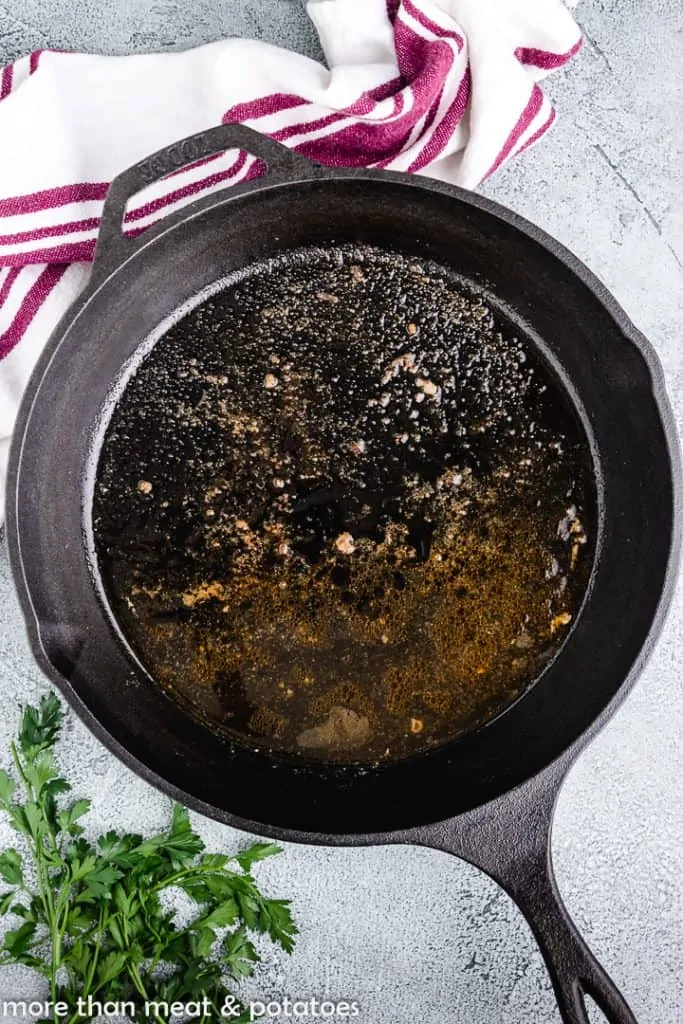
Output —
(509, 839)
(113, 247)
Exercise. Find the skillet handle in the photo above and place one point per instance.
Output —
(113, 247)
(509, 839)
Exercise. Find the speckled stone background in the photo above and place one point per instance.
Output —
(415, 935)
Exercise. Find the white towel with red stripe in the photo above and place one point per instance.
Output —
(446, 88)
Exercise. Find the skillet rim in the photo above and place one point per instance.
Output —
(101, 280)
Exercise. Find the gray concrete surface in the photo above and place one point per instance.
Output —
(415, 935)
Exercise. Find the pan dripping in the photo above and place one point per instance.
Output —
(342, 511)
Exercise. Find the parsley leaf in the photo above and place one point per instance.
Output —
(10, 867)
(259, 851)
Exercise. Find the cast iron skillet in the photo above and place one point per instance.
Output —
(489, 797)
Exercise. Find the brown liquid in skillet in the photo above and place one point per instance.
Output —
(342, 511)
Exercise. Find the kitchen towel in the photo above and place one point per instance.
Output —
(446, 88)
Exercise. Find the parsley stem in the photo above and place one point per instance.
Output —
(171, 880)
(137, 981)
(96, 954)
(19, 766)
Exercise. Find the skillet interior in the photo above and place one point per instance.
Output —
(341, 510)
(604, 372)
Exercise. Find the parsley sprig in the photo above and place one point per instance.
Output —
(97, 919)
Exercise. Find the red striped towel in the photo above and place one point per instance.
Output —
(446, 88)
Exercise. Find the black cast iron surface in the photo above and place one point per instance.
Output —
(492, 791)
